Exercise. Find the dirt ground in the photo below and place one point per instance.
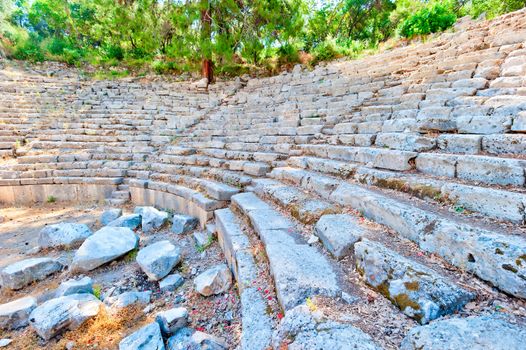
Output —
(218, 315)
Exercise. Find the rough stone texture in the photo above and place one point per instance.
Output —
(15, 314)
(172, 320)
(131, 221)
(22, 273)
(339, 233)
(215, 280)
(299, 270)
(75, 286)
(146, 338)
(64, 313)
(183, 223)
(171, 282)
(256, 324)
(128, 298)
(478, 333)
(189, 339)
(158, 259)
(103, 246)
(110, 215)
(417, 290)
(152, 219)
(63, 234)
(309, 330)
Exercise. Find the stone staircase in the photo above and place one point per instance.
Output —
(388, 191)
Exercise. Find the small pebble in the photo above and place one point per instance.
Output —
(5, 342)
(313, 239)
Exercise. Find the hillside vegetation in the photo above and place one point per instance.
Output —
(233, 36)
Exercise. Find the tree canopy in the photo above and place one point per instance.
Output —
(235, 36)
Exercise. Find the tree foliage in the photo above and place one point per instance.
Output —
(237, 35)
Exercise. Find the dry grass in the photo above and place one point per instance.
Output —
(103, 332)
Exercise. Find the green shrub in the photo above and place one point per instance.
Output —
(428, 20)
(29, 49)
(326, 50)
(72, 56)
(114, 52)
(56, 46)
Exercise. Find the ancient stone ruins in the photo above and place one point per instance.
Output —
(377, 203)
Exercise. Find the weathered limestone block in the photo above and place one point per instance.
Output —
(15, 314)
(116, 302)
(499, 171)
(436, 164)
(158, 259)
(20, 274)
(74, 286)
(405, 142)
(417, 290)
(339, 233)
(504, 144)
(63, 234)
(187, 338)
(171, 320)
(148, 337)
(215, 280)
(483, 124)
(64, 313)
(469, 144)
(476, 332)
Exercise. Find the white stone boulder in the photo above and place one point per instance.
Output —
(158, 259)
(146, 338)
(64, 313)
(183, 223)
(110, 215)
(171, 282)
(15, 314)
(152, 219)
(187, 338)
(131, 221)
(172, 320)
(63, 234)
(75, 286)
(128, 298)
(22, 273)
(103, 246)
(215, 280)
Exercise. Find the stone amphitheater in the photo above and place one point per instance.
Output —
(377, 203)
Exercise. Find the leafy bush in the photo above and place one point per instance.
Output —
(56, 46)
(327, 50)
(428, 20)
(29, 49)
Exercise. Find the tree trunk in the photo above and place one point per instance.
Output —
(207, 69)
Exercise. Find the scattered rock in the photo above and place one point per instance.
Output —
(183, 223)
(103, 246)
(152, 218)
(131, 221)
(64, 313)
(158, 259)
(146, 338)
(110, 215)
(73, 286)
(63, 234)
(172, 320)
(202, 238)
(313, 239)
(128, 298)
(215, 280)
(304, 329)
(22, 273)
(171, 282)
(15, 314)
(5, 342)
(187, 338)
(483, 332)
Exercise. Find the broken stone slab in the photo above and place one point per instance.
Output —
(215, 280)
(171, 282)
(256, 333)
(310, 330)
(63, 234)
(310, 210)
(15, 314)
(339, 233)
(152, 219)
(103, 246)
(187, 338)
(64, 313)
(172, 320)
(158, 259)
(148, 337)
(75, 286)
(110, 215)
(183, 223)
(22, 273)
(418, 291)
(131, 221)
(478, 333)
(5, 342)
(128, 298)
(202, 238)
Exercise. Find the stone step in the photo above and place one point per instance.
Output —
(256, 324)
(418, 291)
(299, 270)
(493, 256)
(120, 195)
